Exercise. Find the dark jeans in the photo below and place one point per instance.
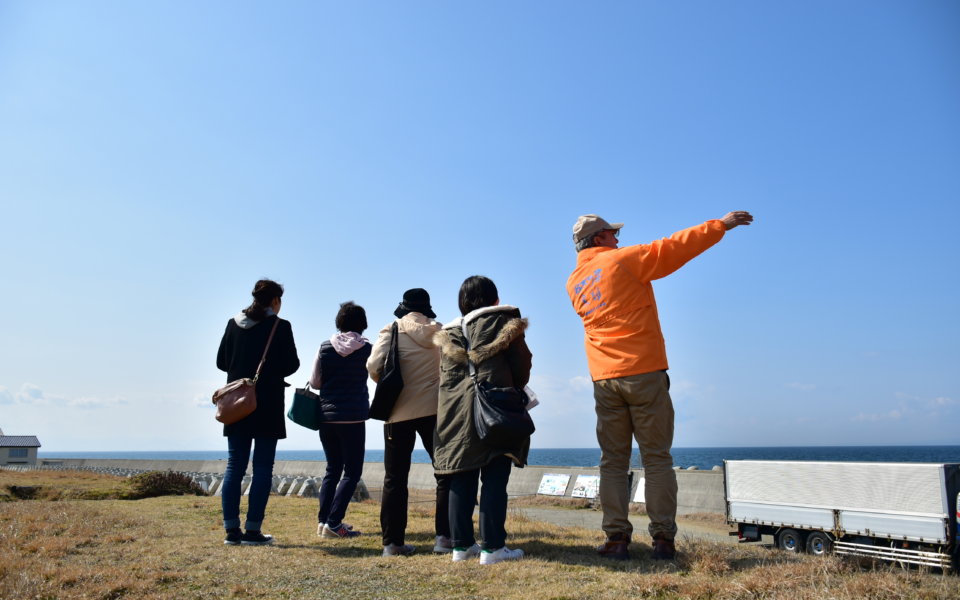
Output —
(238, 455)
(493, 504)
(398, 441)
(343, 446)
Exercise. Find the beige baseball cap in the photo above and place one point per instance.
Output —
(588, 225)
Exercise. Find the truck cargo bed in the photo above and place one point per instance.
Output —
(898, 501)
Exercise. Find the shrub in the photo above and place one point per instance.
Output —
(163, 483)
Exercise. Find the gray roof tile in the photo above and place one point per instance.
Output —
(19, 441)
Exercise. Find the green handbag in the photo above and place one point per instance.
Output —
(305, 409)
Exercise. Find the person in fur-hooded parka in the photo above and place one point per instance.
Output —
(500, 355)
(495, 345)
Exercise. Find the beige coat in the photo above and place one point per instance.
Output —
(419, 366)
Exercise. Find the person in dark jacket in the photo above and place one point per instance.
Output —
(240, 352)
(340, 374)
(500, 356)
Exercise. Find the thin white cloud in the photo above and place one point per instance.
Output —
(892, 415)
(581, 383)
(30, 393)
(33, 395)
(202, 400)
(93, 403)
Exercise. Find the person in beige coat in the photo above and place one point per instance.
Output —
(415, 413)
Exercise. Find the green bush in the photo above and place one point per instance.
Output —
(162, 483)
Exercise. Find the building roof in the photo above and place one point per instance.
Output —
(19, 441)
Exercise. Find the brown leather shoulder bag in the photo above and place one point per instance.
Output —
(237, 399)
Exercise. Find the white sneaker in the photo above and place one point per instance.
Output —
(471, 552)
(444, 545)
(490, 558)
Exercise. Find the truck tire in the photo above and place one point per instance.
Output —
(819, 543)
(790, 540)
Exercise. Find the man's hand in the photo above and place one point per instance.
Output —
(735, 218)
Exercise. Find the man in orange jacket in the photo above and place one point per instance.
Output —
(611, 291)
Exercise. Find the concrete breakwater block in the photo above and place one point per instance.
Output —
(309, 489)
(295, 485)
(699, 490)
(361, 493)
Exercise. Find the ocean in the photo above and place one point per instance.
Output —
(701, 458)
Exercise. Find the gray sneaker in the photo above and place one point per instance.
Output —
(444, 545)
(398, 550)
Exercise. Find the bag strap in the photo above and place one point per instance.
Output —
(263, 358)
(394, 338)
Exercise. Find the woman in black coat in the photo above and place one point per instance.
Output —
(240, 352)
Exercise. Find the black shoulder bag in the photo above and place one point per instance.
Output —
(391, 381)
(500, 414)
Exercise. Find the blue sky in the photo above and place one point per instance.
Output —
(156, 158)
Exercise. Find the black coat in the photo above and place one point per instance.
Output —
(239, 355)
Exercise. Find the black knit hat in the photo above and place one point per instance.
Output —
(415, 300)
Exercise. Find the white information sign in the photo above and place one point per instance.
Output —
(586, 486)
(553, 484)
(639, 495)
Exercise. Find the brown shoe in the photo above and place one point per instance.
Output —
(663, 549)
(616, 547)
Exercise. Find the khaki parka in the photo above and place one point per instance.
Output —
(500, 355)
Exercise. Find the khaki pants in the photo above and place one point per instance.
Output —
(637, 406)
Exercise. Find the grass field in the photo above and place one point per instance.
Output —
(171, 547)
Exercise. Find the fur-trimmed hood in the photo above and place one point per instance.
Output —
(450, 338)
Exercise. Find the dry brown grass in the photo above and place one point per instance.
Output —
(553, 502)
(171, 547)
(706, 518)
(60, 485)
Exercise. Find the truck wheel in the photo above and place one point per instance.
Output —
(819, 543)
(790, 540)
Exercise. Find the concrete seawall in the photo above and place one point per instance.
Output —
(698, 491)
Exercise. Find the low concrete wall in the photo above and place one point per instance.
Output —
(698, 491)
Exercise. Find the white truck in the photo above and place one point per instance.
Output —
(900, 512)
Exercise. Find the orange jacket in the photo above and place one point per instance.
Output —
(611, 291)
